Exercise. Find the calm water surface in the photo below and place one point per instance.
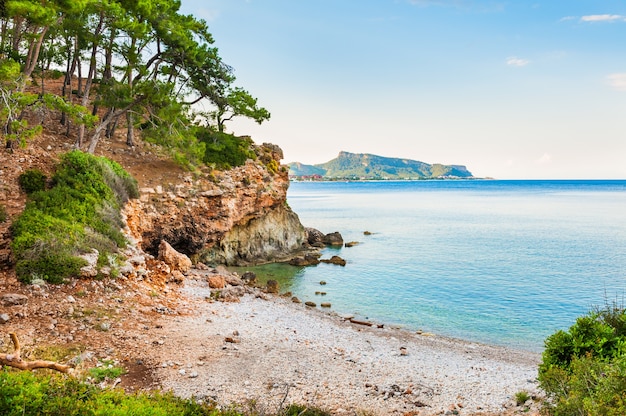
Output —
(501, 262)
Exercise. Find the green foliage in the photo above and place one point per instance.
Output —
(299, 410)
(24, 393)
(233, 102)
(3, 213)
(77, 113)
(521, 397)
(272, 166)
(80, 212)
(583, 370)
(225, 150)
(32, 180)
(106, 370)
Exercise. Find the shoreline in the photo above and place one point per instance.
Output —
(266, 350)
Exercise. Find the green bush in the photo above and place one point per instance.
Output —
(80, 212)
(583, 370)
(32, 180)
(3, 213)
(28, 394)
(24, 393)
(224, 150)
(107, 370)
(521, 397)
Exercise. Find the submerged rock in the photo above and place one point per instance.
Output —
(306, 260)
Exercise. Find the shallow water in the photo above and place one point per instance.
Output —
(501, 262)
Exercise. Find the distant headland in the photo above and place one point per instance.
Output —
(363, 166)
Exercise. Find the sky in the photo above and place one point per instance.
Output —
(512, 89)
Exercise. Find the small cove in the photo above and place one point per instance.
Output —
(500, 262)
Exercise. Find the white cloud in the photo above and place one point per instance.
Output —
(617, 81)
(603, 18)
(544, 159)
(515, 61)
(566, 18)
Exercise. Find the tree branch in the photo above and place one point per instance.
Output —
(15, 360)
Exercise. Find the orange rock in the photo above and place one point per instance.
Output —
(216, 281)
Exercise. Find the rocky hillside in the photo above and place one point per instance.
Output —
(361, 166)
(238, 216)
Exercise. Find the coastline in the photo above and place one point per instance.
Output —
(265, 351)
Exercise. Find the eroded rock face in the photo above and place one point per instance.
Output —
(239, 217)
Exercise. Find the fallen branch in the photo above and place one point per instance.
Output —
(15, 360)
(366, 323)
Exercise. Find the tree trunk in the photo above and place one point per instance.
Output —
(90, 76)
(33, 53)
(130, 131)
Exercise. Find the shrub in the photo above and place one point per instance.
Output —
(24, 393)
(3, 213)
(80, 212)
(583, 370)
(32, 180)
(224, 150)
(106, 370)
(521, 397)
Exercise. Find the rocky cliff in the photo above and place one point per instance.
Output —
(235, 217)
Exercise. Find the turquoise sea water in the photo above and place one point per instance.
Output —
(501, 262)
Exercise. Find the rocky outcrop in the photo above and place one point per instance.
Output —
(237, 217)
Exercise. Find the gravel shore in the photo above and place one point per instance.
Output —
(265, 351)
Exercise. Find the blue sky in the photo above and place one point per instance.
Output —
(511, 89)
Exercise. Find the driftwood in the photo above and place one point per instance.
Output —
(15, 360)
(366, 323)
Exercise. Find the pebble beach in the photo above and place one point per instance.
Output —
(265, 351)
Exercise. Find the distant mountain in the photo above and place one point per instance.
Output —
(366, 166)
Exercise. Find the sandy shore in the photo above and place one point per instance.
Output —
(270, 351)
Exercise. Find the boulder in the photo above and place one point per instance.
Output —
(91, 269)
(13, 299)
(233, 280)
(333, 239)
(249, 278)
(176, 277)
(216, 281)
(314, 237)
(272, 286)
(174, 259)
(4, 318)
(352, 244)
(335, 260)
(201, 266)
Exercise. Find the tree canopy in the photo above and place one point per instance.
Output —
(139, 61)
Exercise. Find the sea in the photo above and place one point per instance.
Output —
(502, 262)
